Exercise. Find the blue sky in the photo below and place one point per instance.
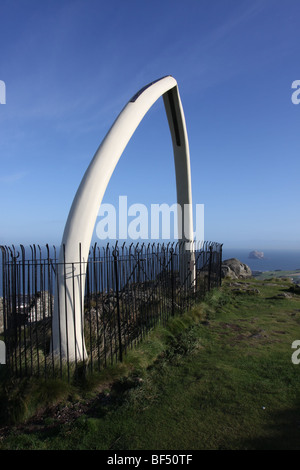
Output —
(70, 66)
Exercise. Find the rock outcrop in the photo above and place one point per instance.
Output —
(235, 269)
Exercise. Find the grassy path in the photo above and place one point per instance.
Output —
(225, 381)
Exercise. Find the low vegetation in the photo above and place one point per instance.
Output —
(218, 377)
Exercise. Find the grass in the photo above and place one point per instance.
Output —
(278, 274)
(218, 377)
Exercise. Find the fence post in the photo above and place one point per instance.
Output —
(220, 263)
(209, 268)
(118, 304)
(172, 282)
(13, 319)
(4, 293)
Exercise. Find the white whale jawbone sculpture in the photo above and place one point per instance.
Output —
(68, 317)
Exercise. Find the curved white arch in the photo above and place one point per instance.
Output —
(68, 338)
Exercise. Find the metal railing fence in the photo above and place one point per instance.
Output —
(128, 290)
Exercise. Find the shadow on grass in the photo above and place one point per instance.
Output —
(282, 434)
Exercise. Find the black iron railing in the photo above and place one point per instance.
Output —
(128, 290)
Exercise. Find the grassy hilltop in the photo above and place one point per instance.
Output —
(218, 377)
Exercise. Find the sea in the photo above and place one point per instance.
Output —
(284, 260)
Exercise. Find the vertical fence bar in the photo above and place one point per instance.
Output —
(81, 305)
(209, 267)
(115, 256)
(172, 282)
(73, 310)
(220, 265)
(66, 314)
(88, 314)
(96, 266)
(14, 309)
(4, 269)
(50, 309)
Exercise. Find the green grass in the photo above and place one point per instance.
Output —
(219, 377)
(278, 274)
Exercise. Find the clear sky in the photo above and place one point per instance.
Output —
(70, 66)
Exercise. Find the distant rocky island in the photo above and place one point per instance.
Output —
(256, 255)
